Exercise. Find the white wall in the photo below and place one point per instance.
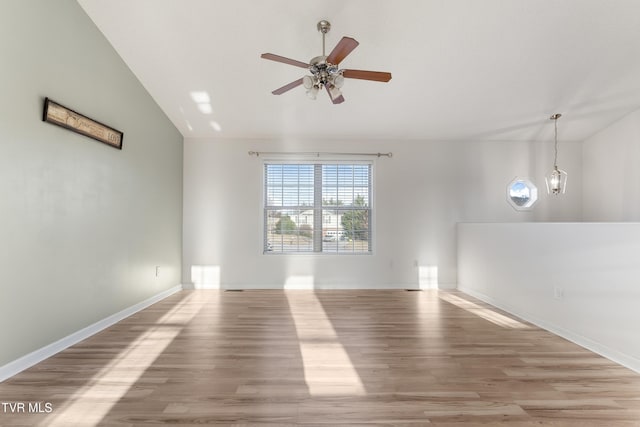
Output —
(420, 195)
(611, 174)
(578, 280)
(83, 225)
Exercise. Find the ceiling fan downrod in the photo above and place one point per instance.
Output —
(324, 26)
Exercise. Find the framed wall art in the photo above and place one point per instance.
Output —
(60, 115)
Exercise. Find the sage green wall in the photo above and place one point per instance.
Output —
(82, 225)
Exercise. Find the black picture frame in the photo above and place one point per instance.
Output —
(57, 114)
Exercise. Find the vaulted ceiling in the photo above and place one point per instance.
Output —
(462, 69)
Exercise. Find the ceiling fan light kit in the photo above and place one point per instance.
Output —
(325, 71)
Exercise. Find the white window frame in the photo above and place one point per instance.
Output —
(324, 161)
(533, 190)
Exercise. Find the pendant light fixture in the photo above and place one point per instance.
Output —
(557, 179)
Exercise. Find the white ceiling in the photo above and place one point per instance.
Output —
(462, 69)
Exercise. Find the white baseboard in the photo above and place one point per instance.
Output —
(194, 286)
(611, 354)
(37, 356)
(447, 286)
(262, 286)
(307, 286)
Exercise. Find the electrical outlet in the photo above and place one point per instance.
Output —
(157, 271)
(558, 292)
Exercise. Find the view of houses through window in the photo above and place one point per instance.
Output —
(317, 207)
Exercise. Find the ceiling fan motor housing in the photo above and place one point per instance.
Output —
(323, 70)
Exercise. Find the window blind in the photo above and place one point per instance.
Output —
(322, 207)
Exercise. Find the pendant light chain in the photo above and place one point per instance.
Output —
(555, 118)
(557, 180)
(555, 159)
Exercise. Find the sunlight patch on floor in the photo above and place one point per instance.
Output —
(484, 312)
(428, 276)
(94, 400)
(328, 369)
(205, 276)
(299, 282)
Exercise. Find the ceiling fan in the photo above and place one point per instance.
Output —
(324, 69)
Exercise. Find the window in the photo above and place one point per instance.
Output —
(317, 208)
(522, 194)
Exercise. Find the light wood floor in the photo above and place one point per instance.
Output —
(325, 357)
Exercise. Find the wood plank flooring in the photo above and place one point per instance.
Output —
(275, 357)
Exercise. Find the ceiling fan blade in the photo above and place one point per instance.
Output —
(376, 76)
(338, 100)
(287, 87)
(342, 49)
(289, 61)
